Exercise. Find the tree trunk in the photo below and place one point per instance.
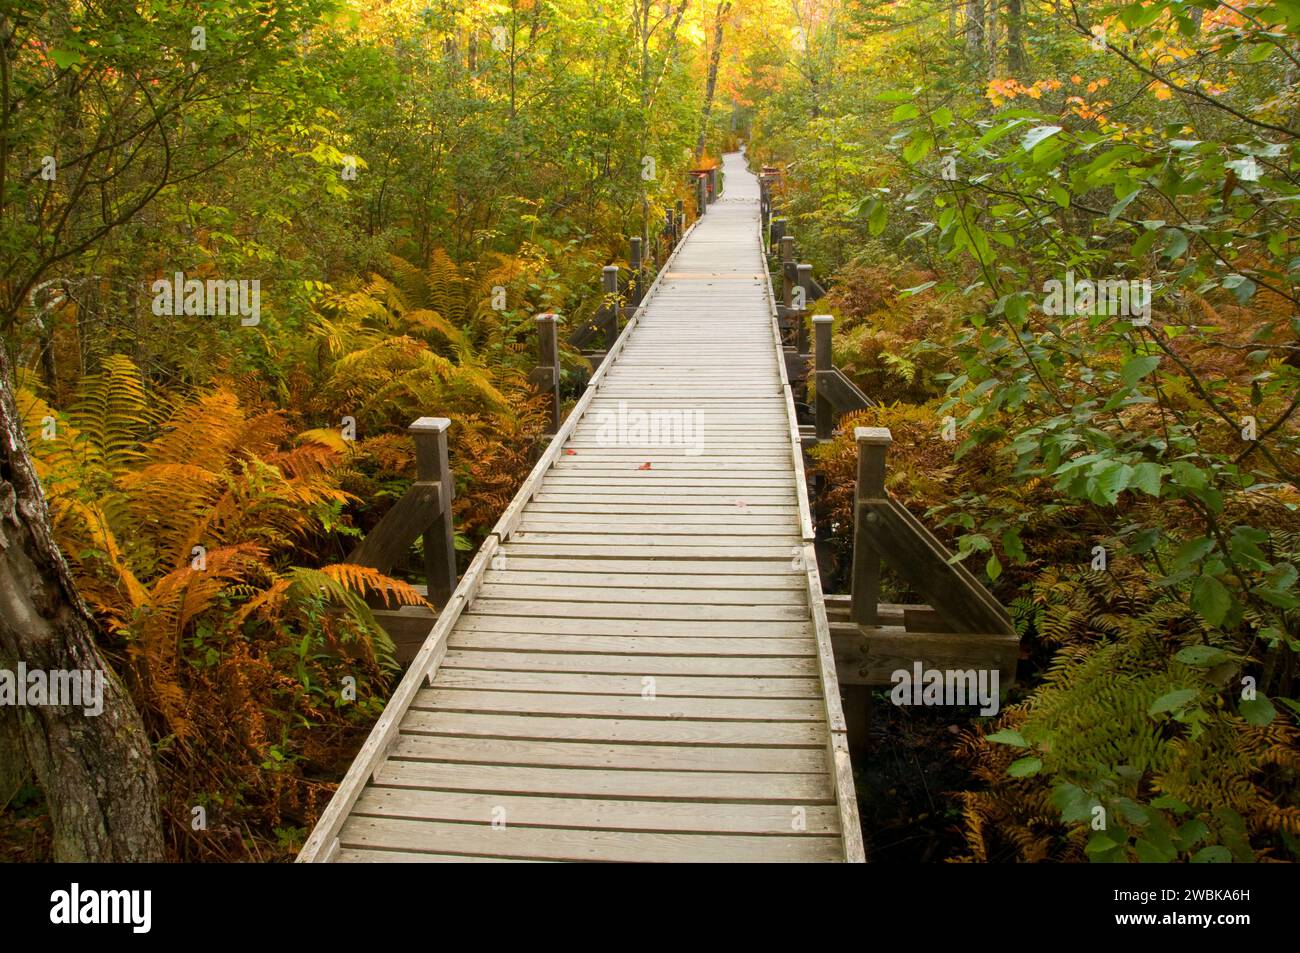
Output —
(14, 770)
(97, 771)
(974, 28)
(1016, 59)
(711, 82)
(991, 37)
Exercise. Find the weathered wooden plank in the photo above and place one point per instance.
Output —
(384, 856)
(645, 686)
(621, 706)
(473, 637)
(522, 575)
(608, 595)
(564, 844)
(591, 814)
(631, 626)
(700, 567)
(748, 666)
(544, 609)
(676, 731)
(620, 757)
(704, 786)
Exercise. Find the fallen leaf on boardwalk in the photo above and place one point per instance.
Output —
(741, 503)
(644, 466)
(571, 452)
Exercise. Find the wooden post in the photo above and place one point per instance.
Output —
(822, 362)
(765, 201)
(713, 184)
(804, 273)
(548, 362)
(680, 228)
(610, 280)
(788, 274)
(670, 227)
(634, 258)
(775, 234)
(432, 466)
(873, 445)
(701, 196)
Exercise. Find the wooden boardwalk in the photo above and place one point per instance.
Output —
(637, 665)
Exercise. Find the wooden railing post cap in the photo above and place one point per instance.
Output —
(430, 425)
(547, 316)
(873, 436)
(826, 319)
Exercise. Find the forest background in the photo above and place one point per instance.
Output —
(410, 183)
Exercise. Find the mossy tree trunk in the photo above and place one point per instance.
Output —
(96, 771)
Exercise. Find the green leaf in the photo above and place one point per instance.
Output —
(905, 111)
(1149, 853)
(1214, 854)
(1211, 599)
(1100, 843)
(1110, 482)
(1007, 737)
(1036, 135)
(64, 59)
(1146, 477)
(1187, 475)
(1176, 245)
(1025, 767)
(1192, 551)
(1172, 701)
(1202, 656)
(1259, 711)
(1137, 368)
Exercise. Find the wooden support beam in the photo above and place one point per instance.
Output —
(789, 274)
(894, 534)
(796, 365)
(546, 376)
(842, 393)
(825, 410)
(776, 233)
(610, 309)
(869, 655)
(873, 445)
(390, 540)
(803, 276)
(424, 510)
(884, 529)
(638, 274)
(408, 627)
(433, 466)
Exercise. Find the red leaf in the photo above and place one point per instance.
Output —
(571, 452)
(644, 466)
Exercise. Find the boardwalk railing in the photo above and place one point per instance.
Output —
(962, 627)
(663, 570)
